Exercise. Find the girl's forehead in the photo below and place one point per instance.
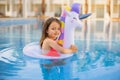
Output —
(54, 24)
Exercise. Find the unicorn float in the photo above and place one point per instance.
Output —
(70, 19)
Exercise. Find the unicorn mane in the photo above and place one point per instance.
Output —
(62, 19)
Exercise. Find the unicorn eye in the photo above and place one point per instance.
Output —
(74, 18)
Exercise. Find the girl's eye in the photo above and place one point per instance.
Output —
(56, 28)
(53, 28)
(59, 28)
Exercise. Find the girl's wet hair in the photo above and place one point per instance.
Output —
(46, 26)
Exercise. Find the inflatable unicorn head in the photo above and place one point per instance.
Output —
(70, 20)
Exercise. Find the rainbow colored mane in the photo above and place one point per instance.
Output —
(62, 18)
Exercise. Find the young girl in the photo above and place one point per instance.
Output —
(50, 33)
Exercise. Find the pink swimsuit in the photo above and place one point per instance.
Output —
(53, 53)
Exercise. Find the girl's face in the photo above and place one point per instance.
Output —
(54, 30)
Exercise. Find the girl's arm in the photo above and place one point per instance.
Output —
(57, 47)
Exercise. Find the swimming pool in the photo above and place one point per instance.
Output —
(98, 57)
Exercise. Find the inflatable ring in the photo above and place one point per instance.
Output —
(33, 50)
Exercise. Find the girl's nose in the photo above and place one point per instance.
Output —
(57, 30)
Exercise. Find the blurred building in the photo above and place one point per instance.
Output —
(31, 8)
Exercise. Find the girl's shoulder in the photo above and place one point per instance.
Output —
(48, 40)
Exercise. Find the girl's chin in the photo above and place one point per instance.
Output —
(55, 38)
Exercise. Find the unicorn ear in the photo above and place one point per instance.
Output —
(68, 13)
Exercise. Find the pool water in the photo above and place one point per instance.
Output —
(96, 59)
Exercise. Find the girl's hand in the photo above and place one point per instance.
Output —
(74, 48)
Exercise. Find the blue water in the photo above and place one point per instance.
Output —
(95, 59)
